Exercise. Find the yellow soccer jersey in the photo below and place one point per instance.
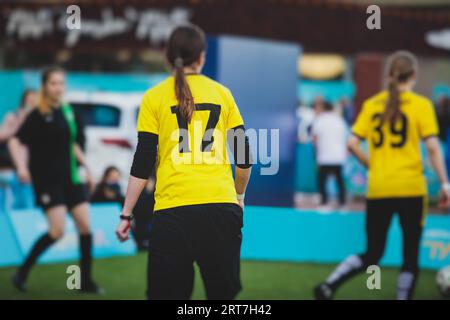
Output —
(192, 164)
(395, 162)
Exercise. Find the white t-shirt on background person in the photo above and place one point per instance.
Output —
(330, 133)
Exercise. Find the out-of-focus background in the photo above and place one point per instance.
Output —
(281, 59)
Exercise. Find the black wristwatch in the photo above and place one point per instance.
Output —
(127, 217)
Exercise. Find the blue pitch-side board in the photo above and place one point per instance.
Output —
(271, 234)
(20, 229)
(262, 75)
(285, 234)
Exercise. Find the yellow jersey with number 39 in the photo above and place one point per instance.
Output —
(192, 164)
(395, 160)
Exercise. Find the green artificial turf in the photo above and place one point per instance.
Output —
(125, 278)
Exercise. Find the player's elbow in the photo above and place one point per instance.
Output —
(432, 146)
(13, 144)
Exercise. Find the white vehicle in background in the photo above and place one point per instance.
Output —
(110, 127)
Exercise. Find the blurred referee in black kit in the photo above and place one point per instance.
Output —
(53, 139)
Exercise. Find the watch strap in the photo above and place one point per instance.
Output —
(127, 217)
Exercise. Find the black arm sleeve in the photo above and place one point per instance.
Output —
(145, 155)
(240, 147)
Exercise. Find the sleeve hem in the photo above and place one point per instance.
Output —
(430, 136)
(235, 125)
(147, 131)
(358, 135)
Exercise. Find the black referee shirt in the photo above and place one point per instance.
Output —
(48, 140)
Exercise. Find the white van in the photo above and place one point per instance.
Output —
(110, 120)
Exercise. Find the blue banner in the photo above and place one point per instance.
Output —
(274, 234)
(30, 224)
(285, 234)
(11, 253)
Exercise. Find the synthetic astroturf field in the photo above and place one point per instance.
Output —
(124, 278)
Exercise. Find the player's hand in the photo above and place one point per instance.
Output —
(444, 199)
(24, 175)
(123, 230)
(90, 182)
(241, 204)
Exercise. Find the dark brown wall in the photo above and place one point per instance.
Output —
(325, 26)
(368, 76)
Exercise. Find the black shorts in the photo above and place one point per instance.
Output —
(69, 195)
(208, 234)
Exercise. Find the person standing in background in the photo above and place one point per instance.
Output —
(9, 184)
(53, 138)
(348, 111)
(329, 136)
(443, 112)
(143, 213)
(14, 120)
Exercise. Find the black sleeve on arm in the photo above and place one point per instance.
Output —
(145, 155)
(240, 147)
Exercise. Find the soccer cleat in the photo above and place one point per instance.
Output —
(91, 287)
(18, 282)
(323, 292)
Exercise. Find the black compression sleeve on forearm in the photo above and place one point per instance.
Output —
(240, 147)
(145, 155)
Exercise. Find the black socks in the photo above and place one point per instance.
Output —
(40, 246)
(44, 242)
(86, 258)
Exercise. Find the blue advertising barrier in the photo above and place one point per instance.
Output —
(10, 252)
(331, 91)
(23, 227)
(285, 234)
(270, 233)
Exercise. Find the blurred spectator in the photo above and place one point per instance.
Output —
(143, 213)
(12, 123)
(329, 136)
(443, 114)
(109, 190)
(318, 105)
(347, 109)
(305, 117)
(14, 193)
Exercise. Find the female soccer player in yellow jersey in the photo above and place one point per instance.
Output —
(183, 126)
(393, 123)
